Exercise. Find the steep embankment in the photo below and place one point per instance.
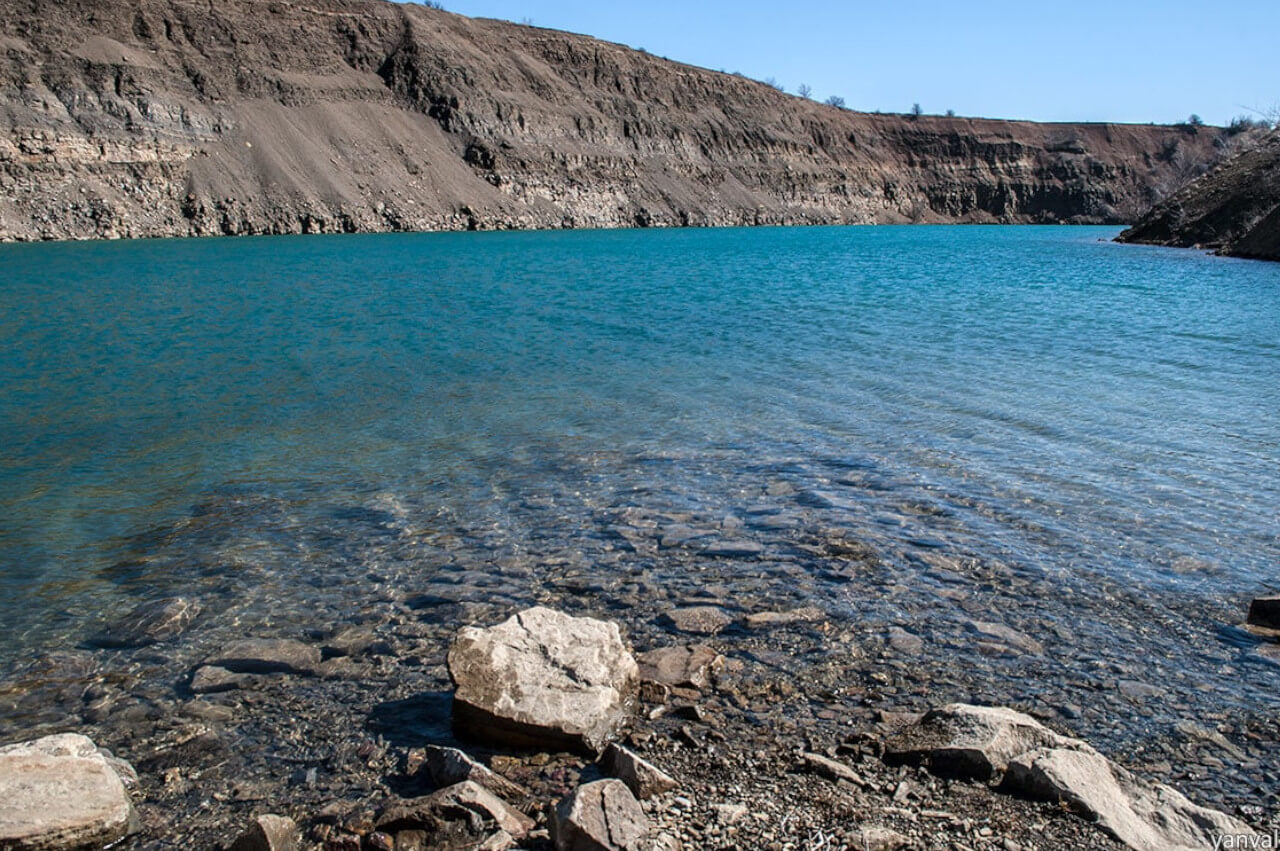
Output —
(1235, 209)
(174, 117)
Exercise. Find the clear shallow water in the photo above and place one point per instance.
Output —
(1037, 396)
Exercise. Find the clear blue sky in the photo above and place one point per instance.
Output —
(1088, 60)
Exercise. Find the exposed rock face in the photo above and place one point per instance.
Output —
(177, 117)
(1235, 209)
(599, 816)
(543, 679)
(60, 792)
(998, 744)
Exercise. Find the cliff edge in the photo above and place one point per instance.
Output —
(1234, 209)
(131, 118)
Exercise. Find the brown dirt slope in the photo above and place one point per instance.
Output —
(185, 117)
(1235, 209)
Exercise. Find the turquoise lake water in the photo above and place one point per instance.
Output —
(1036, 394)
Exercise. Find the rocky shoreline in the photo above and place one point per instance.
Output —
(546, 731)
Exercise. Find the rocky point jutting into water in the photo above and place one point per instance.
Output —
(1235, 209)
(130, 118)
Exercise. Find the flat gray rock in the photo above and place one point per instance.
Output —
(269, 832)
(210, 679)
(267, 656)
(60, 792)
(996, 743)
(765, 620)
(543, 679)
(830, 768)
(973, 742)
(683, 667)
(1009, 635)
(599, 816)
(1143, 815)
(643, 778)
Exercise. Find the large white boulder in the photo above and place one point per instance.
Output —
(543, 679)
(60, 792)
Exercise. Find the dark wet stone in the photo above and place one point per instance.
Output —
(150, 623)
(1265, 612)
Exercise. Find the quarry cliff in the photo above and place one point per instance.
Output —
(134, 118)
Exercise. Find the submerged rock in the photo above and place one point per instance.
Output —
(269, 832)
(542, 679)
(999, 744)
(599, 816)
(267, 656)
(60, 792)
(643, 778)
(150, 623)
(763, 620)
(702, 620)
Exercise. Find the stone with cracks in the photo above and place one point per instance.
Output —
(447, 766)
(440, 806)
(599, 816)
(703, 620)
(959, 740)
(60, 792)
(1144, 816)
(995, 743)
(542, 679)
(643, 778)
